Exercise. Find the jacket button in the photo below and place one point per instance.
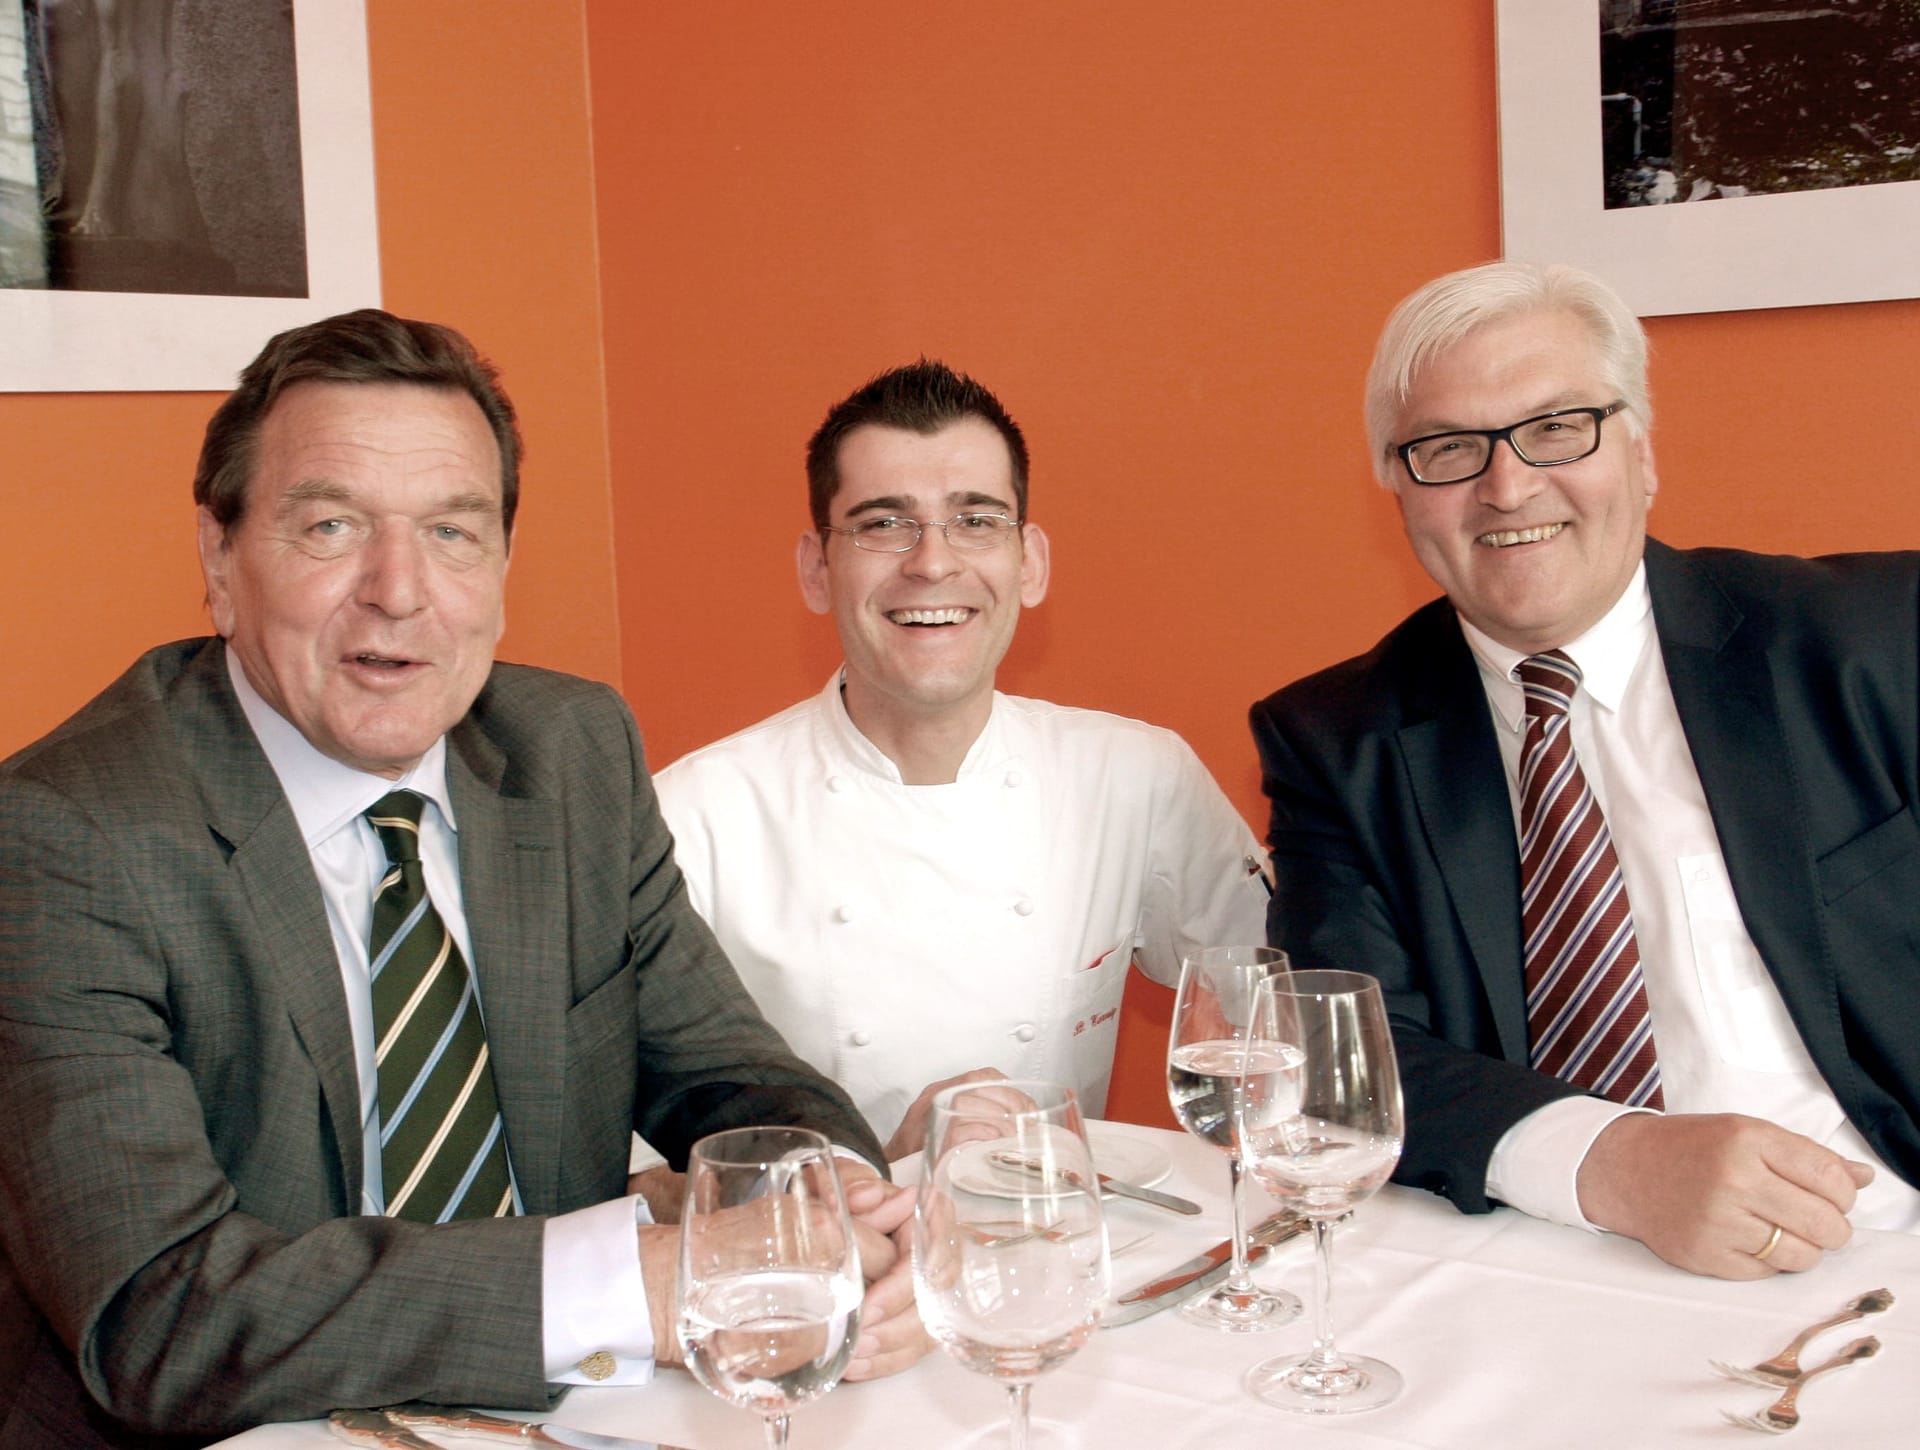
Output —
(1023, 907)
(1024, 1032)
(843, 914)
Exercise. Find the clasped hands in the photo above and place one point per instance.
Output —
(1705, 1191)
(891, 1335)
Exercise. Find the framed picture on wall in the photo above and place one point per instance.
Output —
(179, 180)
(1713, 155)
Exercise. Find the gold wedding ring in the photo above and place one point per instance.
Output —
(1773, 1242)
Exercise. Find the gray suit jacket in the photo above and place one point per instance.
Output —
(182, 1164)
(1797, 683)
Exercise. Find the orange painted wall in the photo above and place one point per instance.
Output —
(484, 171)
(1166, 235)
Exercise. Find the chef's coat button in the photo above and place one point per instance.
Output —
(1014, 777)
(1024, 1032)
(860, 1039)
(1023, 907)
(836, 784)
(843, 914)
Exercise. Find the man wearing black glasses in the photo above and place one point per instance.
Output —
(1627, 832)
(917, 876)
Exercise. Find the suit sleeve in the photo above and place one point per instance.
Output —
(1355, 889)
(183, 1312)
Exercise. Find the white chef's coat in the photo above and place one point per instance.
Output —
(899, 934)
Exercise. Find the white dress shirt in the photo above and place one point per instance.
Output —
(593, 1296)
(898, 934)
(1725, 1040)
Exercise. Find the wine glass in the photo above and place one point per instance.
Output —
(1009, 1242)
(1321, 1139)
(1206, 1057)
(770, 1286)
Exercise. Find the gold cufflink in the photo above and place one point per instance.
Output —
(597, 1366)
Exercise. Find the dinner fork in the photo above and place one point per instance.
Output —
(1784, 1413)
(1784, 1368)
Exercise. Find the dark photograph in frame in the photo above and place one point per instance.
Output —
(166, 144)
(1721, 99)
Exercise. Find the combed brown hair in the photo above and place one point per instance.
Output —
(368, 346)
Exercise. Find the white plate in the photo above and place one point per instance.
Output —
(1114, 1154)
(1131, 1160)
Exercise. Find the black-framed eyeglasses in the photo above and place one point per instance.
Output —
(897, 534)
(1565, 435)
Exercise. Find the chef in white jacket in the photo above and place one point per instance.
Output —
(920, 878)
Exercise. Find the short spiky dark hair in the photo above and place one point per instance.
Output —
(368, 346)
(922, 397)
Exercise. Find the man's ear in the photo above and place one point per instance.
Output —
(810, 561)
(215, 561)
(1036, 564)
(1643, 447)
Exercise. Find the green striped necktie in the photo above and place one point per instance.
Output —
(443, 1148)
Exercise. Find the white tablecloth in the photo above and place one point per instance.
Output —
(1511, 1333)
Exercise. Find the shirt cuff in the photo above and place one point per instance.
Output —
(1536, 1164)
(593, 1300)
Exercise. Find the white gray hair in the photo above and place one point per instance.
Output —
(1447, 309)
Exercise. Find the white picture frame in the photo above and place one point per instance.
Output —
(1843, 244)
(68, 341)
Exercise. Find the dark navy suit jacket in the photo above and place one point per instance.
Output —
(1797, 685)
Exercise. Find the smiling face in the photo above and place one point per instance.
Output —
(1532, 556)
(923, 632)
(362, 588)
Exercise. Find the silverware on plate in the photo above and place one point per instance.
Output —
(416, 1415)
(1027, 1163)
(1784, 1367)
(1784, 1413)
(372, 1427)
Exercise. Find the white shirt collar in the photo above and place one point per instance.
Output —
(1606, 655)
(864, 754)
(325, 793)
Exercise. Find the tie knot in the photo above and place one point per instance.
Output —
(395, 817)
(1549, 681)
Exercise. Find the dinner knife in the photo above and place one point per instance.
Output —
(1202, 1271)
(1143, 1194)
(448, 1421)
(372, 1427)
(1027, 1163)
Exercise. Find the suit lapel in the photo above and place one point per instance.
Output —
(247, 810)
(1459, 786)
(1723, 687)
(513, 885)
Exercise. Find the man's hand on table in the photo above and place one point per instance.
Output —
(911, 1135)
(1705, 1191)
(891, 1335)
(663, 1189)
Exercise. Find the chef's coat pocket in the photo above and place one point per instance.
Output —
(1094, 1016)
(1749, 1022)
(1094, 1006)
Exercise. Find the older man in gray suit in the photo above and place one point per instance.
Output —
(221, 1206)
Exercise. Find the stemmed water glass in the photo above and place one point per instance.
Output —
(1206, 1058)
(770, 1286)
(1009, 1243)
(1321, 1138)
